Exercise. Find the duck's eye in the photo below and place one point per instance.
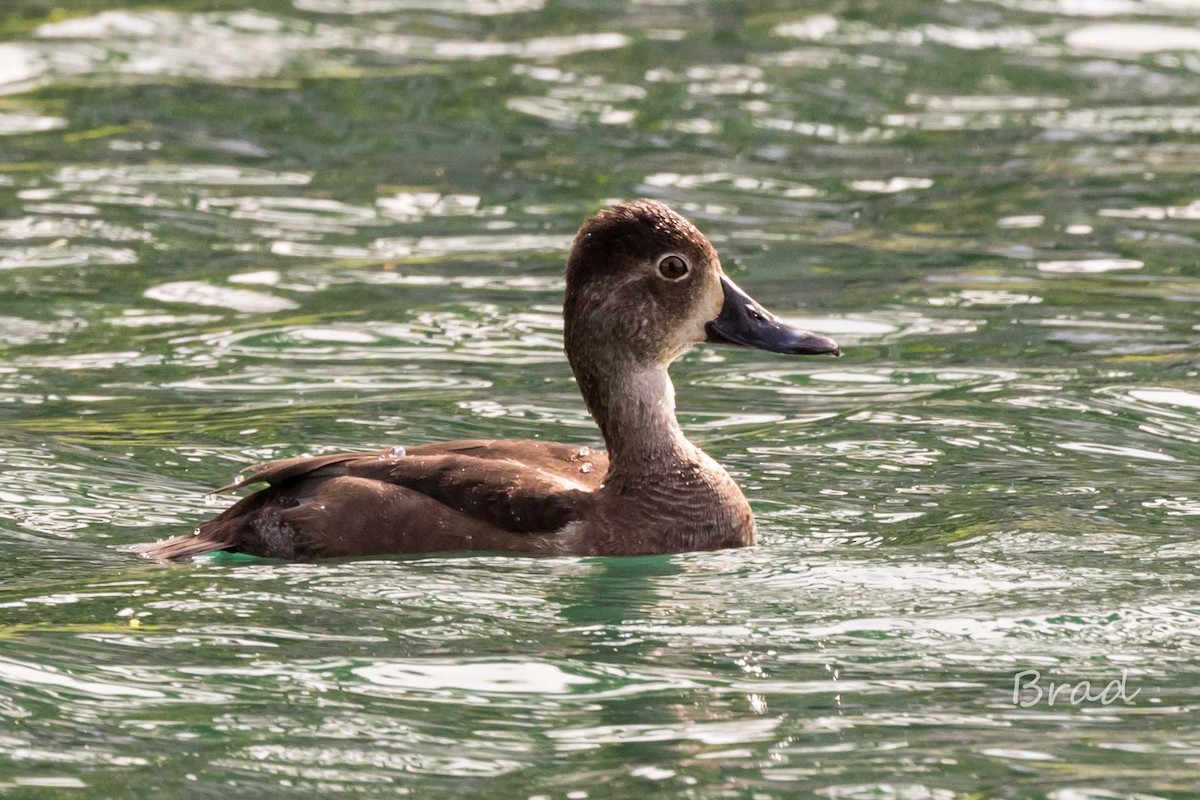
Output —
(672, 267)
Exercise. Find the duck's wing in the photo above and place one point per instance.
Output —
(575, 463)
(479, 494)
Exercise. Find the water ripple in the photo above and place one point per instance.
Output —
(428, 247)
(485, 8)
(246, 45)
(186, 174)
(22, 124)
(62, 254)
(358, 379)
(200, 293)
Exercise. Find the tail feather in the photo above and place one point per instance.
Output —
(251, 525)
(192, 544)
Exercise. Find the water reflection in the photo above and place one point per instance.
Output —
(248, 45)
(474, 7)
(199, 293)
(60, 254)
(18, 124)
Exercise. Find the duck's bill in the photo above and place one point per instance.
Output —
(744, 323)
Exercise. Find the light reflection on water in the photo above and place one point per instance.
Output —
(232, 234)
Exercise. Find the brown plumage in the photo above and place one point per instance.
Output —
(643, 285)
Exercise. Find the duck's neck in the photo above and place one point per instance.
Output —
(661, 493)
(634, 405)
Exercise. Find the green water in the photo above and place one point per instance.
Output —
(232, 231)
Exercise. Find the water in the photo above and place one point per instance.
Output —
(231, 232)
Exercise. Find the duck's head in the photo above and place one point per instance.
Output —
(644, 285)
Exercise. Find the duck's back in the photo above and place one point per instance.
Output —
(499, 494)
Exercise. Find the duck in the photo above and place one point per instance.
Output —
(643, 286)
